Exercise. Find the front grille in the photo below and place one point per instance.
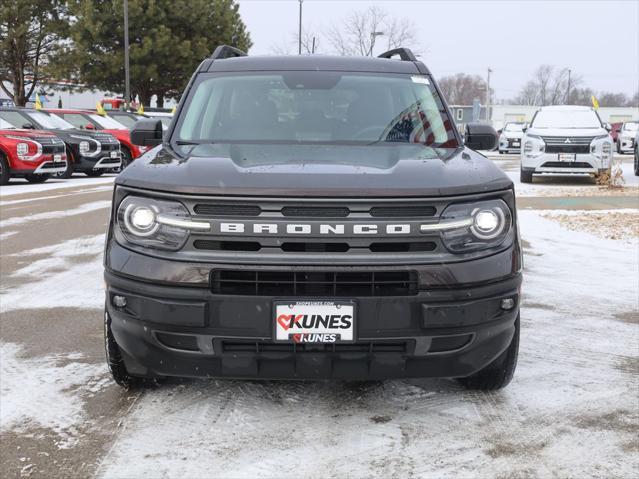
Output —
(566, 164)
(227, 210)
(236, 346)
(50, 145)
(402, 211)
(314, 284)
(316, 211)
(568, 144)
(316, 246)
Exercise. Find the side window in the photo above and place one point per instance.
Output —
(15, 118)
(460, 114)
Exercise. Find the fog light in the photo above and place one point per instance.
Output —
(508, 303)
(120, 301)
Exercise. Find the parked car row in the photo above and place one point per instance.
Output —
(36, 144)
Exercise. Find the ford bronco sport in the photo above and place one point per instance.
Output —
(313, 217)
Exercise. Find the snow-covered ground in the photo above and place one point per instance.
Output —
(19, 187)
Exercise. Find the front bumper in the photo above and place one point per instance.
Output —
(103, 162)
(550, 163)
(191, 332)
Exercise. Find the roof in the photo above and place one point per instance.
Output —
(312, 63)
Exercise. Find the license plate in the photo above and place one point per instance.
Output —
(115, 154)
(57, 158)
(568, 157)
(516, 143)
(314, 321)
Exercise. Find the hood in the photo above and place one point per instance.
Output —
(315, 170)
(564, 132)
(35, 134)
(70, 136)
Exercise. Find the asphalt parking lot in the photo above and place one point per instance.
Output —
(572, 409)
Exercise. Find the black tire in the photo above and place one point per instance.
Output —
(114, 358)
(127, 158)
(501, 152)
(34, 178)
(636, 161)
(498, 373)
(525, 176)
(5, 171)
(68, 172)
(618, 146)
(94, 173)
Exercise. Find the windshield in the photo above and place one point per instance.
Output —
(631, 127)
(514, 126)
(315, 107)
(106, 122)
(47, 120)
(566, 119)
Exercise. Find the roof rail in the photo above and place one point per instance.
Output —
(404, 54)
(225, 51)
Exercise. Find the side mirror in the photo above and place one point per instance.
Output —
(147, 132)
(524, 128)
(89, 126)
(608, 127)
(478, 136)
(28, 126)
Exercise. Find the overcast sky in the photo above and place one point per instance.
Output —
(598, 40)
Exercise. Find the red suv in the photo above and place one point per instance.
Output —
(90, 120)
(31, 154)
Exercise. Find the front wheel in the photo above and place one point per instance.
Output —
(498, 373)
(525, 176)
(34, 178)
(5, 172)
(637, 162)
(114, 358)
(94, 173)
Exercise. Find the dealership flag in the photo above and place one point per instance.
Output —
(594, 101)
(38, 103)
(141, 109)
(100, 109)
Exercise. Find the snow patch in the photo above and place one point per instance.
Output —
(73, 262)
(35, 392)
(85, 208)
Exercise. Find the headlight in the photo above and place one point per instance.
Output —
(22, 149)
(475, 226)
(601, 147)
(533, 146)
(155, 223)
(27, 149)
(88, 146)
(85, 148)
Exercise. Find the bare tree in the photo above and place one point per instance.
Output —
(549, 86)
(607, 98)
(463, 89)
(358, 33)
(310, 43)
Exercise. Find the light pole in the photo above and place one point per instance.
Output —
(488, 96)
(373, 35)
(127, 80)
(299, 33)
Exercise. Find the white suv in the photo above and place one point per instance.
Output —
(626, 137)
(565, 140)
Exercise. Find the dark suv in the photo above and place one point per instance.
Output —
(313, 217)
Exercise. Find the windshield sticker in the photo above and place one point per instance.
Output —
(420, 79)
